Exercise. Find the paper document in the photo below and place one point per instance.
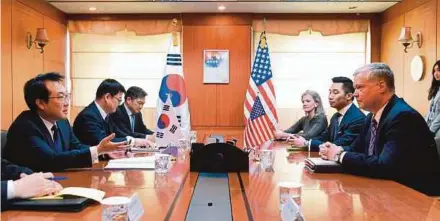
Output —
(143, 150)
(90, 193)
(132, 163)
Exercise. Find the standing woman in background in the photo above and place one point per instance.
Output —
(311, 125)
(433, 118)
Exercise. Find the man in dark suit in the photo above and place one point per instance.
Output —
(395, 142)
(21, 182)
(41, 138)
(93, 123)
(346, 123)
(128, 116)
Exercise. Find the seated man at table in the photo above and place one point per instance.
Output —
(128, 116)
(345, 124)
(395, 142)
(93, 123)
(41, 138)
(21, 183)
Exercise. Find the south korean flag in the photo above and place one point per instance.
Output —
(168, 127)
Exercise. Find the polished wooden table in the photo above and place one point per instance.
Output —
(254, 195)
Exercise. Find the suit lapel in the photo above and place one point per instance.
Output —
(347, 117)
(98, 114)
(383, 120)
(125, 118)
(63, 136)
(368, 135)
(43, 128)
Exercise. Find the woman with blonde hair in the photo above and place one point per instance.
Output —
(312, 124)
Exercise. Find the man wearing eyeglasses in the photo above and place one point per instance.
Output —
(128, 116)
(41, 138)
(93, 122)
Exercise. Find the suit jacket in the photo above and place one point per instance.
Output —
(29, 143)
(405, 150)
(90, 128)
(348, 129)
(10, 172)
(122, 121)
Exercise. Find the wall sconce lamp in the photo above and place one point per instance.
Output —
(407, 40)
(40, 40)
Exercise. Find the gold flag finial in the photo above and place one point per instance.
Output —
(175, 40)
(263, 40)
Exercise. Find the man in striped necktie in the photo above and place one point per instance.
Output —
(395, 141)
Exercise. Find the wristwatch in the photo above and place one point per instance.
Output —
(306, 143)
(338, 156)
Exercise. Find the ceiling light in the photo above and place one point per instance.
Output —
(92, 8)
(221, 7)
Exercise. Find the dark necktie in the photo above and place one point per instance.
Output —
(107, 125)
(373, 131)
(335, 126)
(56, 139)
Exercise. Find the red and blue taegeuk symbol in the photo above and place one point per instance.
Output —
(163, 121)
(174, 85)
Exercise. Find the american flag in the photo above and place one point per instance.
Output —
(259, 107)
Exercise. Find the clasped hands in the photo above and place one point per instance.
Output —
(328, 151)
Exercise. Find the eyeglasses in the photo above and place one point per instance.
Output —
(62, 97)
(118, 99)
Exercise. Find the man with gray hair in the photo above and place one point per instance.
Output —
(395, 142)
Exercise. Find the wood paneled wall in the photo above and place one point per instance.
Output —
(423, 16)
(19, 63)
(217, 107)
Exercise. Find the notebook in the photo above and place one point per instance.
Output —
(70, 199)
(319, 165)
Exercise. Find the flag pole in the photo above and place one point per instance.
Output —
(174, 23)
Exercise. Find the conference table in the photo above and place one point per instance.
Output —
(254, 195)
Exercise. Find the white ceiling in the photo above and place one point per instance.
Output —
(134, 7)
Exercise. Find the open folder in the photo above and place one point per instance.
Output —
(71, 199)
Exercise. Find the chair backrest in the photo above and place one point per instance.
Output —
(437, 142)
(3, 139)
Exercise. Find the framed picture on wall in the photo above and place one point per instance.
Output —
(216, 66)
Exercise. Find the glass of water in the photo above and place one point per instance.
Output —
(290, 189)
(161, 163)
(183, 147)
(193, 136)
(266, 159)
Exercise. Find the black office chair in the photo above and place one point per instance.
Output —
(3, 139)
(437, 142)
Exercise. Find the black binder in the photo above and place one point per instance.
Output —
(75, 204)
(318, 165)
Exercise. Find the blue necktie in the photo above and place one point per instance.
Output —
(373, 131)
(56, 139)
(335, 126)
(132, 122)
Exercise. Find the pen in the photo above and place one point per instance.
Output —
(58, 178)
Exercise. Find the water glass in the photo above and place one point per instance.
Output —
(115, 208)
(193, 136)
(183, 147)
(162, 163)
(253, 154)
(266, 159)
(290, 189)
